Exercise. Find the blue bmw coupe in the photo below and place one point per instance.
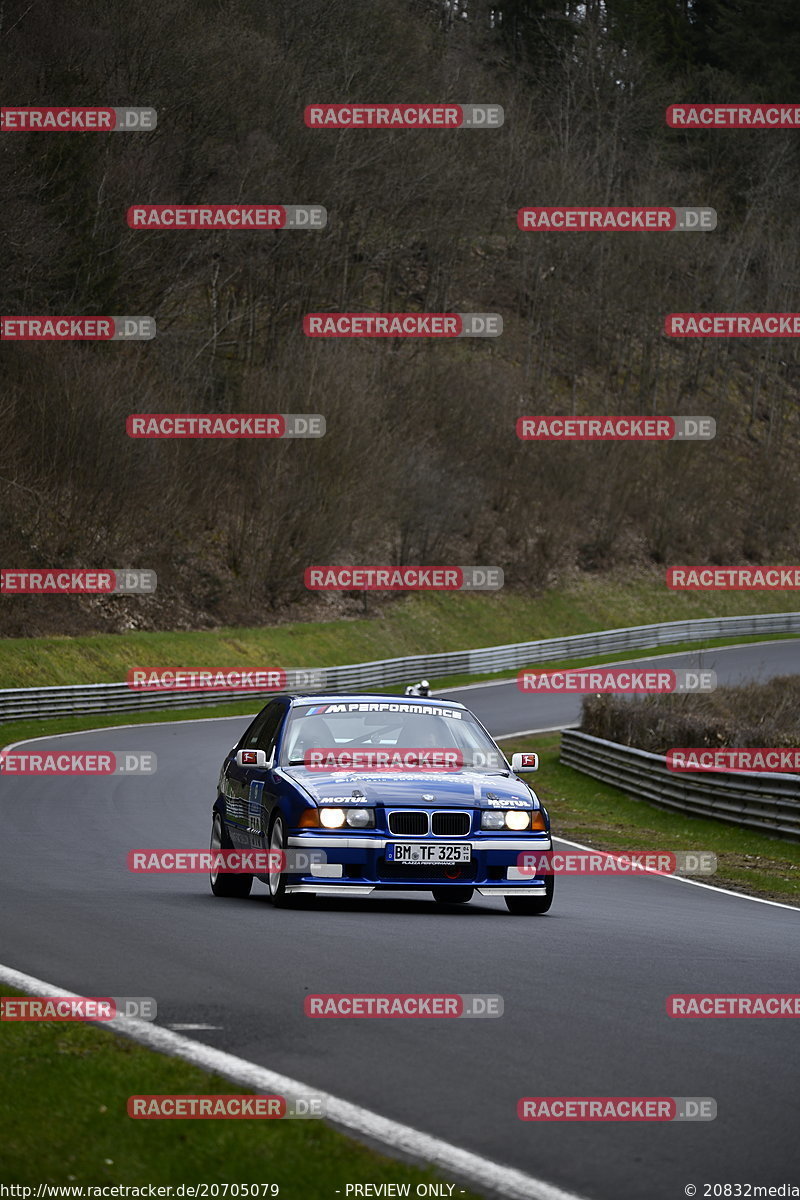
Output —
(366, 793)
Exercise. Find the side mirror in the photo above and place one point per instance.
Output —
(251, 758)
(524, 762)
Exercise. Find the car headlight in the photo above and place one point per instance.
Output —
(338, 818)
(361, 818)
(518, 819)
(514, 818)
(332, 818)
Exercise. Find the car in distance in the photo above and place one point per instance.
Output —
(397, 793)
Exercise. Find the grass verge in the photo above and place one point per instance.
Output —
(586, 810)
(417, 624)
(73, 1080)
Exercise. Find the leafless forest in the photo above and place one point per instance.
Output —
(421, 462)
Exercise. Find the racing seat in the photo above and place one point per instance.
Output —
(312, 732)
(425, 731)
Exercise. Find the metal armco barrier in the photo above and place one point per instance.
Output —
(16, 703)
(762, 800)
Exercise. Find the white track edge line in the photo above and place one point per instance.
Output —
(136, 725)
(361, 1122)
(679, 878)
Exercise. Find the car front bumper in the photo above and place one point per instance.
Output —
(356, 865)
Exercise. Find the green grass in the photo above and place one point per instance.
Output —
(418, 624)
(64, 1120)
(586, 810)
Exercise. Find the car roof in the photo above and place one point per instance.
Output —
(369, 697)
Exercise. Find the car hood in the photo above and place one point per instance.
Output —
(424, 789)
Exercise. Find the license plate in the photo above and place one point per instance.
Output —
(422, 852)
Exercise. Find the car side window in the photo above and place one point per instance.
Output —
(267, 734)
(253, 737)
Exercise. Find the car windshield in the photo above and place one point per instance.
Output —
(448, 738)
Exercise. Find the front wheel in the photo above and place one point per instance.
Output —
(452, 895)
(532, 906)
(276, 880)
(223, 884)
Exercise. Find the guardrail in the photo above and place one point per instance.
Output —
(761, 800)
(16, 703)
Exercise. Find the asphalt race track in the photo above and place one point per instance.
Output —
(504, 710)
(584, 988)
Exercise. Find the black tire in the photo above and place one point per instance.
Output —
(236, 886)
(532, 906)
(453, 895)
